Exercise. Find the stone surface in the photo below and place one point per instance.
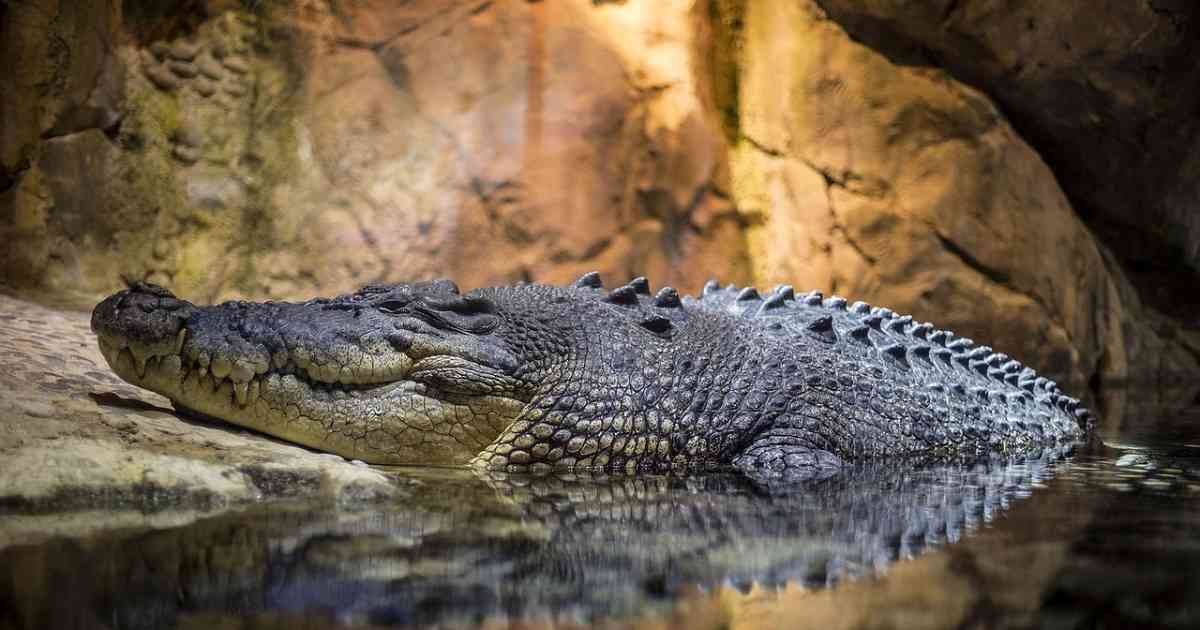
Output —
(313, 150)
(269, 151)
(80, 449)
(1107, 91)
(869, 178)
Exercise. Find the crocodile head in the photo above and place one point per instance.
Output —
(407, 373)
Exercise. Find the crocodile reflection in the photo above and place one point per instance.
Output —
(463, 548)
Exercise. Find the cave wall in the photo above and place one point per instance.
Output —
(944, 161)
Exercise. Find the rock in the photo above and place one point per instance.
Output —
(182, 50)
(90, 449)
(900, 185)
(160, 49)
(909, 189)
(236, 64)
(189, 135)
(1107, 93)
(62, 75)
(203, 87)
(182, 69)
(185, 154)
(210, 68)
(162, 78)
(235, 88)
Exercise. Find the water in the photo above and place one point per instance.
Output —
(1105, 537)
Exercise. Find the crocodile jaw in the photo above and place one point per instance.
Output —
(395, 422)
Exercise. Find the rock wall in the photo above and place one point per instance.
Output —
(297, 148)
(1109, 93)
(303, 150)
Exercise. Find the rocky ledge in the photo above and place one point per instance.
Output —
(82, 450)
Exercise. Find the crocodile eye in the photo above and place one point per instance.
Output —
(392, 307)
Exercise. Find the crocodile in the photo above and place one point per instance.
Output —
(533, 377)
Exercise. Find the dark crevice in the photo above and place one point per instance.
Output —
(9, 179)
(995, 275)
(951, 8)
(109, 399)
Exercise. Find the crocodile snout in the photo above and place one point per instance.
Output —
(146, 320)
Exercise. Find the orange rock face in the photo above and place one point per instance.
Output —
(306, 150)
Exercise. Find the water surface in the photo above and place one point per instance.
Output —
(1105, 537)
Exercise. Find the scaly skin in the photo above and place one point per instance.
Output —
(536, 377)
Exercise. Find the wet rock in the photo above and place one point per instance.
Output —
(101, 448)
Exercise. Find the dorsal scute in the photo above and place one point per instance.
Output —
(894, 338)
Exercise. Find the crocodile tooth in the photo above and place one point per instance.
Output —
(171, 365)
(253, 391)
(240, 391)
(242, 372)
(139, 355)
(179, 339)
(221, 366)
(261, 363)
(201, 370)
